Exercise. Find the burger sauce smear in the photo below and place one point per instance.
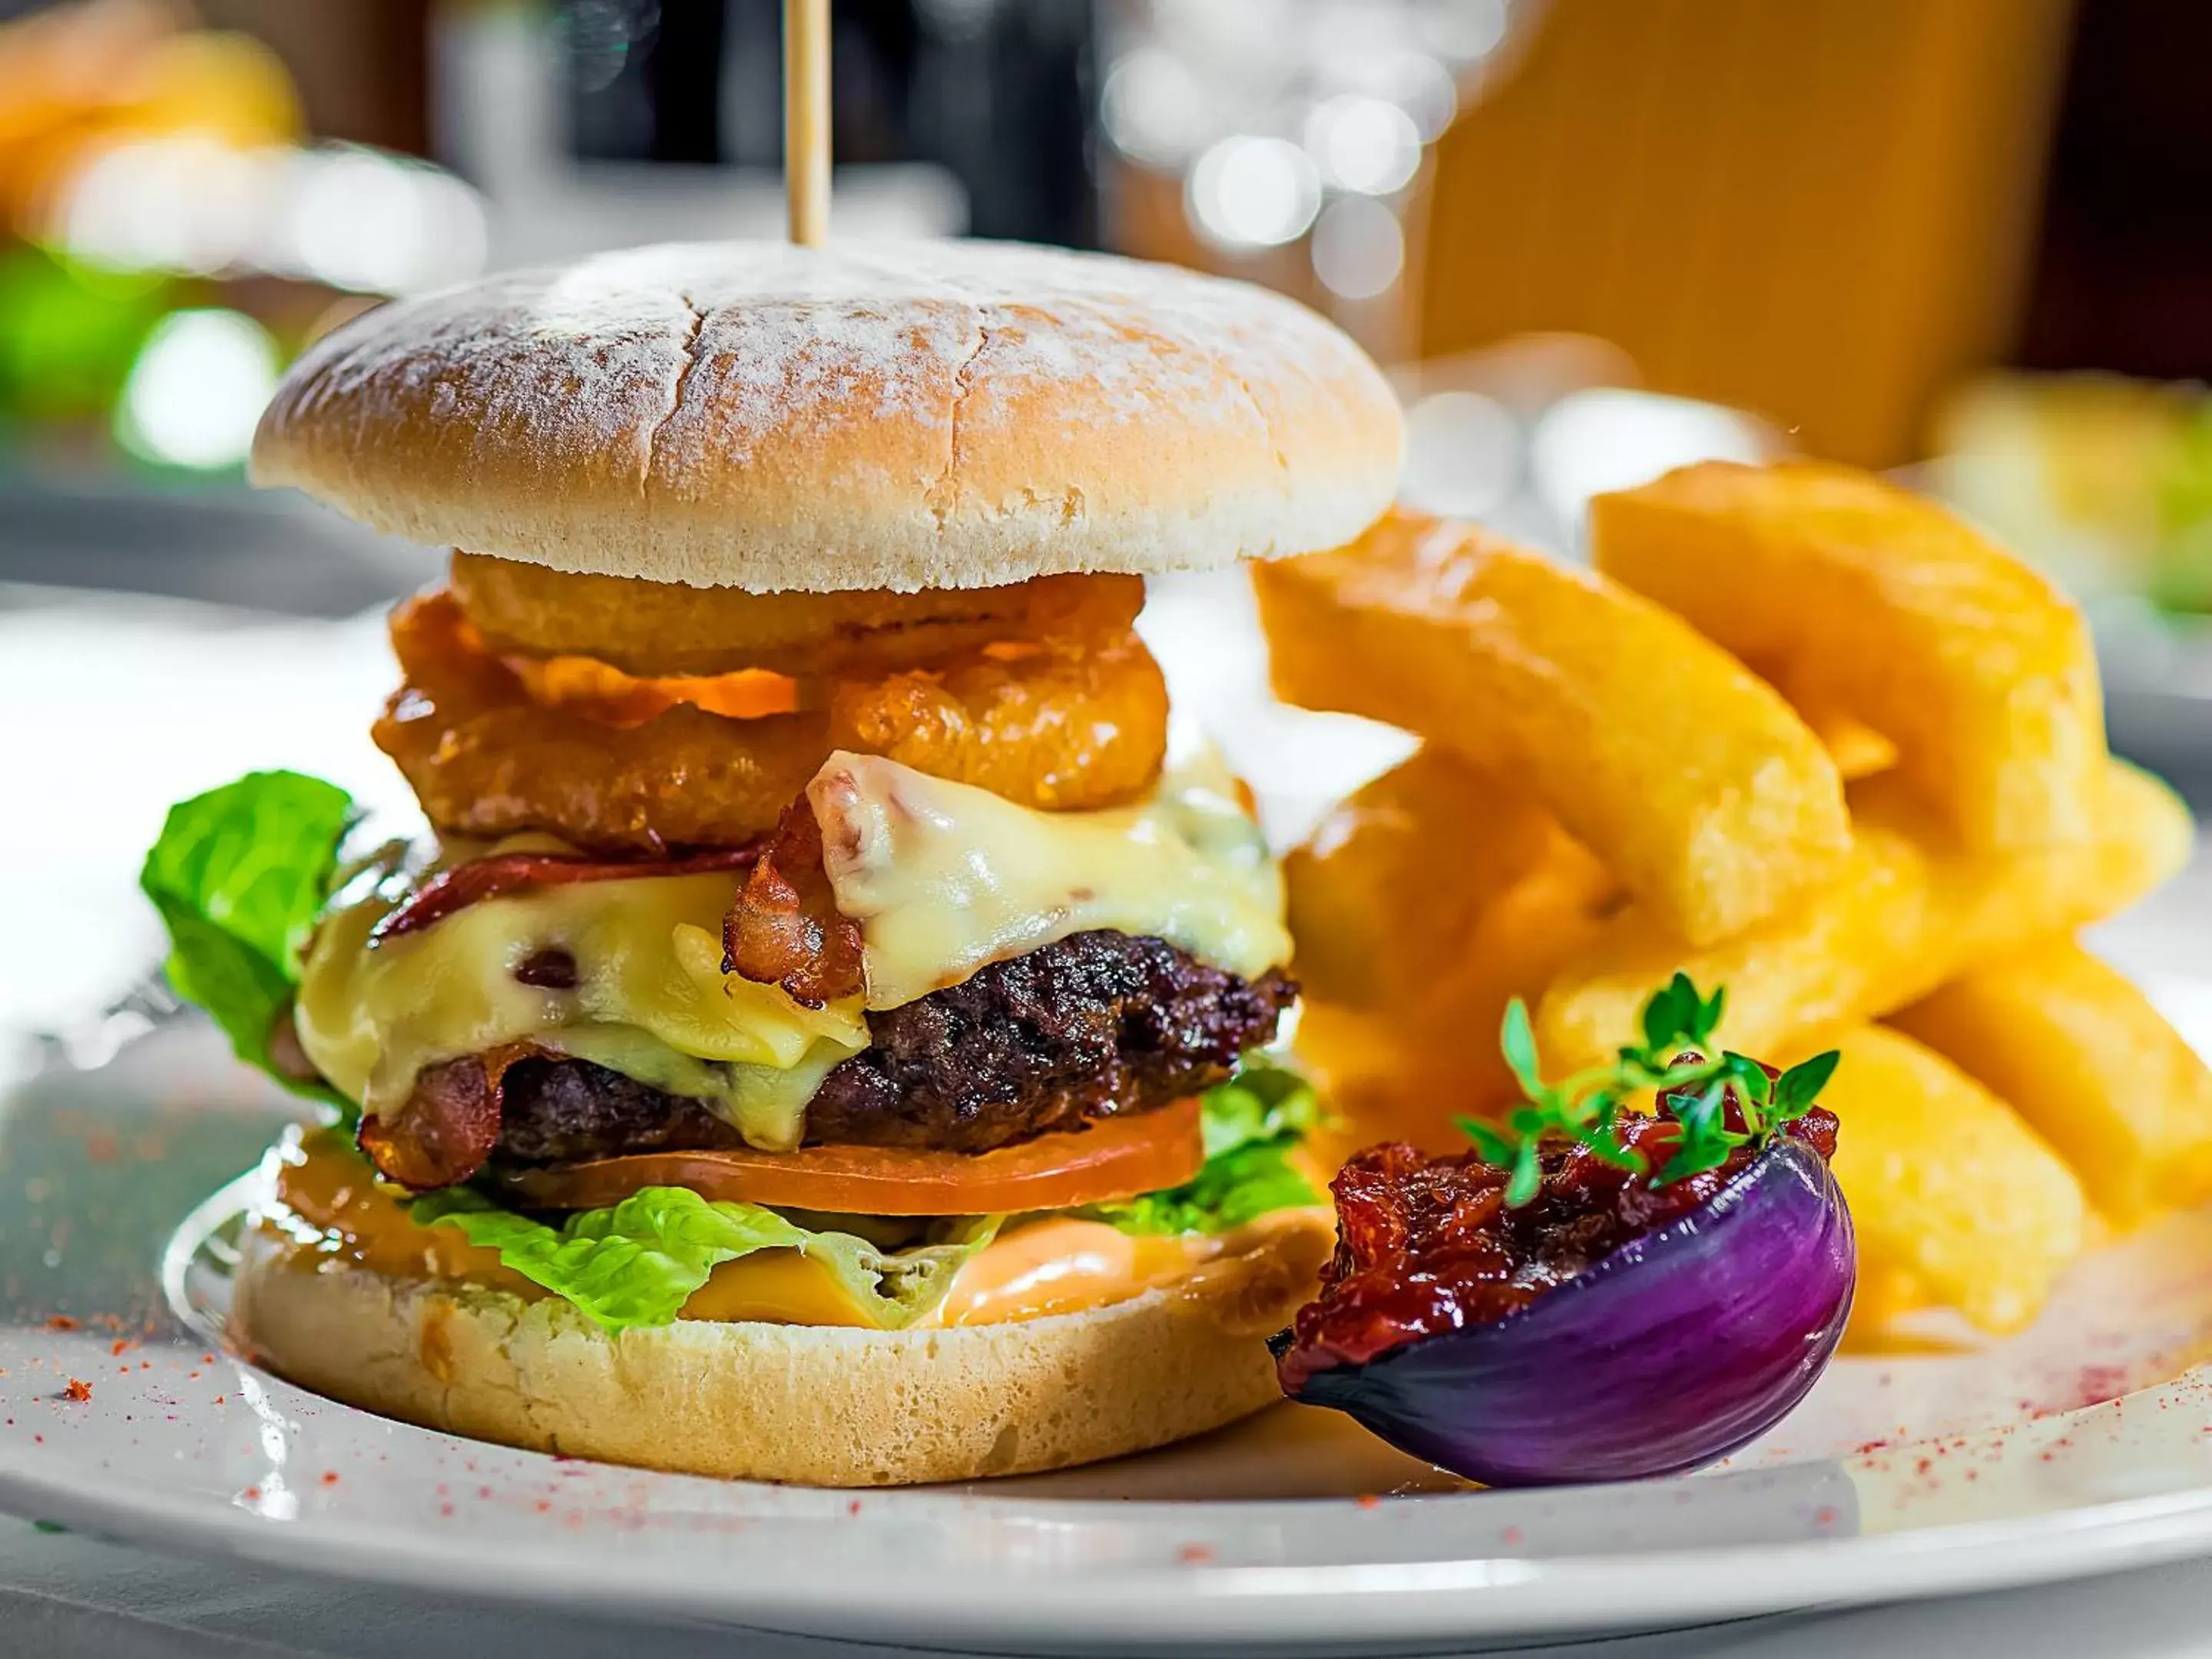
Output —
(1427, 1244)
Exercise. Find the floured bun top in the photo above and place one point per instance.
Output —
(758, 415)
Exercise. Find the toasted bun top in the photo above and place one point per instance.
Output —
(763, 416)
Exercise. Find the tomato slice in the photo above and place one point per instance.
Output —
(1115, 1157)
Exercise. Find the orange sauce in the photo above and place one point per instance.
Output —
(329, 1207)
(601, 692)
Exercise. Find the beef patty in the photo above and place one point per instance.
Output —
(1095, 1025)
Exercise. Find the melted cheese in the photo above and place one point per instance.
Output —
(944, 877)
(328, 1207)
(650, 1001)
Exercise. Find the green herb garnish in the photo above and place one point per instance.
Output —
(1678, 1026)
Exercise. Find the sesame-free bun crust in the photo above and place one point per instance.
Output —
(757, 416)
(825, 1406)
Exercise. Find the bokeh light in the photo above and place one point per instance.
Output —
(1363, 144)
(1152, 109)
(1358, 248)
(198, 389)
(1463, 454)
(1253, 192)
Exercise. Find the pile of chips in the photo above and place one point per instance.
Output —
(1803, 734)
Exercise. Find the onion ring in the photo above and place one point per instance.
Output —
(1061, 726)
(655, 630)
(486, 761)
(1057, 727)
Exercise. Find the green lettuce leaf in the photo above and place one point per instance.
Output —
(1251, 1125)
(638, 1262)
(239, 875)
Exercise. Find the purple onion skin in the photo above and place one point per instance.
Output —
(1670, 1354)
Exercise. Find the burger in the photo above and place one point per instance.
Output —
(819, 1038)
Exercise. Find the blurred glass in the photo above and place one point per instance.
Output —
(1295, 127)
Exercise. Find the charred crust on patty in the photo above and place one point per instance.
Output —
(1099, 1024)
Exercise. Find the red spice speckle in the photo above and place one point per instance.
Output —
(446, 1510)
(78, 1389)
(62, 1322)
(252, 1494)
(1368, 1500)
(1195, 1554)
(852, 1507)
(330, 1477)
(1826, 1516)
(120, 1344)
(1513, 1536)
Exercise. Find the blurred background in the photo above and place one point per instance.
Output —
(1967, 240)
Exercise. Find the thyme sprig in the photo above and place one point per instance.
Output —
(1678, 1026)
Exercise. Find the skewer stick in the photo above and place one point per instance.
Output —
(806, 118)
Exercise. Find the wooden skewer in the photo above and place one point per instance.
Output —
(806, 118)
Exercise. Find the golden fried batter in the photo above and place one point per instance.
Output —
(665, 629)
(1059, 726)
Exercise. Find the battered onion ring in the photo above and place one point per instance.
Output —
(486, 761)
(661, 630)
(1058, 728)
(1061, 726)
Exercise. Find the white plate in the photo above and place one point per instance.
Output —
(2066, 1451)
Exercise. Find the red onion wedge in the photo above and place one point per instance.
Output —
(1597, 1290)
(1676, 1350)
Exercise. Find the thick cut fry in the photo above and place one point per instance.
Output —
(1859, 750)
(1864, 597)
(2082, 1055)
(1688, 776)
(1404, 1073)
(1385, 894)
(1947, 1185)
(1910, 912)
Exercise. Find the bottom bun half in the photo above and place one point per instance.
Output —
(823, 1406)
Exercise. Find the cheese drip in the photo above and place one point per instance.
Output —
(944, 877)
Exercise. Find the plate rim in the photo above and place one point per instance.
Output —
(1163, 1606)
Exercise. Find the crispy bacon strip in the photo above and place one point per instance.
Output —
(479, 879)
(785, 928)
(446, 1128)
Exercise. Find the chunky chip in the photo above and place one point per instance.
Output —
(1385, 894)
(1406, 1072)
(1863, 597)
(1688, 776)
(1947, 1185)
(1911, 912)
(2082, 1055)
